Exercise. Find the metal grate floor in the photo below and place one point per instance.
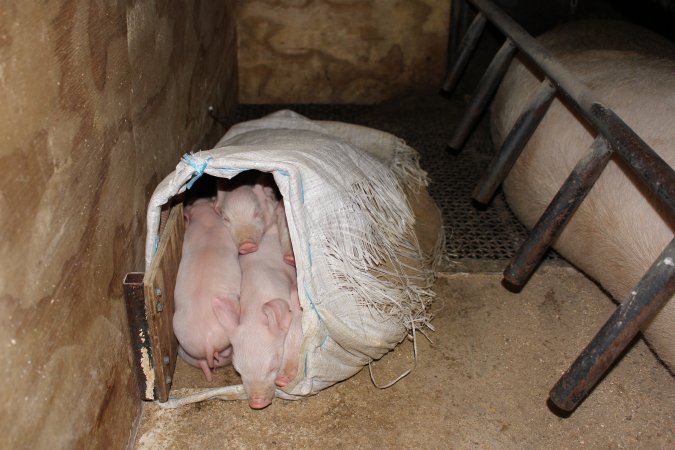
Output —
(425, 121)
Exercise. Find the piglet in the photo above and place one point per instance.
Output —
(248, 209)
(259, 324)
(208, 274)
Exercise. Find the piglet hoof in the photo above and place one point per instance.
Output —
(247, 247)
(290, 260)
(259, 403)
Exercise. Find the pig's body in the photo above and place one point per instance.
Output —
(264, 318)
(248, 208)
(208, 272)
(620, 228)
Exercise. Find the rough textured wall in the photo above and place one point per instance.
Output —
(339, 51)
(98, 100)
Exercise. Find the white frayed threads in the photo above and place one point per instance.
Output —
(668, 261)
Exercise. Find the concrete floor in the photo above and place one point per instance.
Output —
(482, 383)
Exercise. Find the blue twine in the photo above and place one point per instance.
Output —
(311, 302)
(199, 170)
(302, 190)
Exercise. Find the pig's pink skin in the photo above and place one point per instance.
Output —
(291, 358)
(208, 272)
(248, 210)
(284, 235)
(620, 229)
(259, 331)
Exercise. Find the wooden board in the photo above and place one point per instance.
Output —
(158, 287)
(140, 337)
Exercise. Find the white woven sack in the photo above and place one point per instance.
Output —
(351, 227)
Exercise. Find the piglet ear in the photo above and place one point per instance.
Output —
(221, 193)
(226, 311)
(278, 315)
(269, 193)
(186, 214)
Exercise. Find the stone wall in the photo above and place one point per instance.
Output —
(339, 51)
(98, 100)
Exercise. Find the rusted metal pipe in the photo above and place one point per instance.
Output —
(466, 48)
(483, 93)
(654, 289)
(647, 165)
(558, 212)
(513, 145)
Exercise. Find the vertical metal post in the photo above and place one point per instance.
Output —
(558, 212)
(654, 289)
(486, 87)
(515, 141)
(466, 48)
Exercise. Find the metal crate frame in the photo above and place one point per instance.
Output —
(614, 137)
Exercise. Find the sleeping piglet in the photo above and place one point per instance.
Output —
(248, 209)
(259, 324)
(208, 274)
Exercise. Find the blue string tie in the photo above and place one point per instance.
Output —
(199, 170)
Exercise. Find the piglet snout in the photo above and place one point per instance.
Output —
(247, 247)
(259, 403)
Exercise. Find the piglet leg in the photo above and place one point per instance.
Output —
(201, 363)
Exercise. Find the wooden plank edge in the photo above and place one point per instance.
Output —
(141, 342)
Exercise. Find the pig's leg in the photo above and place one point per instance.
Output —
(223, 358)
(206, 369)
(201, 363)
(290, 361)
(284, 235)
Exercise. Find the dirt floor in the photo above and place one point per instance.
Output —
(482, 383)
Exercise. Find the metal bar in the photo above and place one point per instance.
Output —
(480, 98)
(458, 13)
(515, 141)
(648, 166)
(466, 48)
(650, 294)
(141, 342)
(559, 211)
